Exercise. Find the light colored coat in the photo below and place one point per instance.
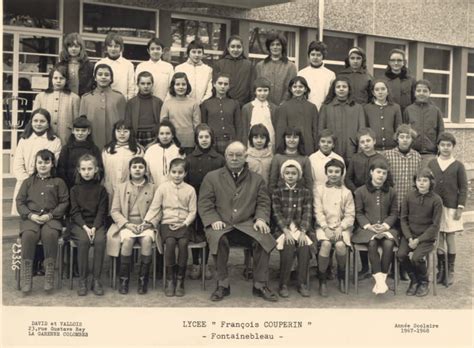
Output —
(119, 213)
(238, 204)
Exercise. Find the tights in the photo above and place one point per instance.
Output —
(49, 238)
(170, 253)
(450, 242)
(381, 264)
(146, 243)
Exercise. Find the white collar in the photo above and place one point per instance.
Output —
(257, 102)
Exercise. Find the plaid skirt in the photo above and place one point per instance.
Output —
(145, 137)
(221, 143)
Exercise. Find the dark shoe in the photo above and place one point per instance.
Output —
(323, 288)
(123, 287)
(423, 289)
(179, 291)
(208, 274)
(412, 288)
(248, 273)
(364, 274)
(266, 293)
(143, 278)
(82, 289)
(26, 273)
(220, 293)
(283, 291)
(195, 272)
(441, 269)
(97, 288)
(49, 274)
(451, 259)
(404, 275)
(303, 290)
(169, 288)
(329, 274)
(342, 285)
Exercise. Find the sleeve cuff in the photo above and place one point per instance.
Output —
(366, 226)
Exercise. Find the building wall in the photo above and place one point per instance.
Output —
(435, 21)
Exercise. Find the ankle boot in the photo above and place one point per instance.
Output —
(376, 289)
(411, 291)
(451, 259)
(143, 278)
(383, 288)
(82, 288)
(170, 281)
(323, 289)
(26, 273)
(49, 264)
(179, 292)
(341, 277)
(124, 275)
(441, 270)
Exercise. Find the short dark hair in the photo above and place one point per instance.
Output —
(334, 163)
(366, 131)
(318, 46)
(291, 130)
(45, 155)
(63, 70)
(156, 41)
(194, 45)
(179, 75)
(113, 36)
(145, 74)
(179, 162)
(273, 36)
(303, 81)
(104, 66)
(326, 133)
(425, 173)
(446, 136)
(140, 160)
(259, 129)
(425, 82)
(203, 127)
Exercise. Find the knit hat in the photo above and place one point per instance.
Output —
(262, 82)
(82, 122)
(291, 163)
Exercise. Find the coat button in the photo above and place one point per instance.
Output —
(235, 210)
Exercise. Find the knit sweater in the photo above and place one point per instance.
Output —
(384, 121)
(223, 116)
(279, 74)
(242, 74)
(421, 215)
(358, 170)
(89, 204)
(401, 87)
(319, 81)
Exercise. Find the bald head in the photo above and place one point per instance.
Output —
(235, 156)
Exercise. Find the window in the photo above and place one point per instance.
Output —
(470, 88)
(98, 19)
(212, 32)
(101, 19)
(45, 14)
(437, 69)
(258, 35)
(381, 51)
(338, 47)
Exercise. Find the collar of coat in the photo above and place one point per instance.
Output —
(198, 152)
(263, 153)
(371, 188)
(229, 57)
(349, 70)
(403, 74)
(242, 175)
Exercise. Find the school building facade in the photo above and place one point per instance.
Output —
(436, 34)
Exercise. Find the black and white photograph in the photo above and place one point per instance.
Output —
(195, 173)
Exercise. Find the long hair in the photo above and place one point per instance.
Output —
(167, 123)
(284, 46)
(359, 51)
(69, 40)
(332, 90)
(203, 127)
(380, 164)
(292, 131)
(179, 75)
(219, 75)
(96, 69)
(301, 80)
(259, 129)
(63, 70)
(132, 141)
(46, 155)
(229, 40)
(389, 95)
(29, 128)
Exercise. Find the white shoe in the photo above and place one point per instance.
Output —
(375, 289)
(383, 288)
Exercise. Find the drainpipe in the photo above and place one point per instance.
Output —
(320, 19)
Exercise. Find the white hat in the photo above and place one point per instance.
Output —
(291, 163)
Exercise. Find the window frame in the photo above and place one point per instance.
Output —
(449, 72)
(468, 97)
(41, 31)
(126, 39)
(207, 52)
(340, 35)
(391, 41)
(272, 26)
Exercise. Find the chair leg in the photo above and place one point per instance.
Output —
(434, 261)
(446, 267)
(60, 267)
(114, 272)
(346, 278)
(395, 271)
(203, 268)
(153, 262)
(17, 278)
(71, 252)
(356, 270)
(164, 266)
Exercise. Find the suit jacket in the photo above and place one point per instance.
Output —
(238, 204)
(132, 110)
(119, 213)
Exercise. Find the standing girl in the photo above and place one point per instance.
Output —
(42, 202)
(89, 207)
(299, 112)
(38, 135)
(62, 104)
(238, 67)
(103, 106)
(383, 116)
(74, 58)
(343, 116)
(222, 113)
(117, 155)
(79, 143)
(129, 207)
(276, 68)
(356, 71)
(182, 111)
(201, 161)
(400, 83)
(259, 152)
(376, 214)
(291, 148)
(160, 154)
(451, 186)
